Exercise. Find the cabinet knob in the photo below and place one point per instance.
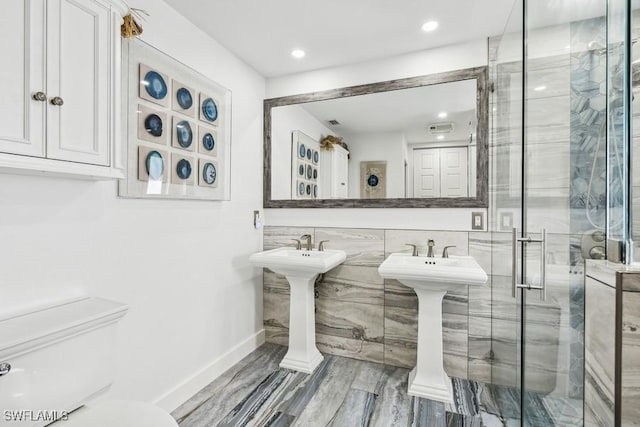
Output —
(56, 100)
(39, 96)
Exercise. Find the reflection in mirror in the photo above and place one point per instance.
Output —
(422, 140)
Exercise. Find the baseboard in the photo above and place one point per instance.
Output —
(179, 394)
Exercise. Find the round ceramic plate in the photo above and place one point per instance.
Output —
(185, 100)
(315, 174)
(183, 169)
(184, 133)
(301, 170)
(301, 189)
(373, 180)
(208, 142)
(153, 125)
(315, 191)
(302, 151)
(210, 109)
(155, 165)
(309, 153)
(209, 173)
(316, 157)
(309, 172)
(308, 190)
(155, 85)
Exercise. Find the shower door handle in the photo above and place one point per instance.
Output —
(515, 285)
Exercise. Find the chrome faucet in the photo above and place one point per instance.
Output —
(445, 251)
(298, 244)
(414, 249)
(307, 237)
(430, 245)
(321, 245)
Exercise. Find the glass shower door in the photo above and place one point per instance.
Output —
(563, 203)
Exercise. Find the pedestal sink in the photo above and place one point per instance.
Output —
(431, 278)
(301, 269)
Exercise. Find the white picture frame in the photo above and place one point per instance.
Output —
(139, 57)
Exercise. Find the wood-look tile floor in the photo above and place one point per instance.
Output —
(346, 392)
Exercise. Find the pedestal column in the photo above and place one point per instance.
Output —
(428, 379)
(303, 355)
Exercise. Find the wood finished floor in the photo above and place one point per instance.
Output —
(346, 392)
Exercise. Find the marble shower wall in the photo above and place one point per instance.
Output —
(635, 22)
(362, 316)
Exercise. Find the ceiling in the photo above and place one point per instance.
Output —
(407, 111)
(338, 32)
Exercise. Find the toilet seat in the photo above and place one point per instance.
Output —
(119, 413)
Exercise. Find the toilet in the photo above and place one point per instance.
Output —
(57, 363)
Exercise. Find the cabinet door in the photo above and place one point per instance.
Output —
(426, 173)
(453, 172)
(341, 177)
(78, 72)
(22, 118)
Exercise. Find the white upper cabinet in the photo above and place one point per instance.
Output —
(334, 178)
(22, 77)
(61, 89)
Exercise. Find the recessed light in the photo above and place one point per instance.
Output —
(430, 26)
(440, 137)
(442, 115)
(539, 88)
(298, 53)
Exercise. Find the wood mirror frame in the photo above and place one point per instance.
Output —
(482, 156)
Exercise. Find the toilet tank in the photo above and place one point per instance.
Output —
(61, 357)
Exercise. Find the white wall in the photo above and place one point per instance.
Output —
(181, 266)
(285, 120)
(377, 147)
(449, 58)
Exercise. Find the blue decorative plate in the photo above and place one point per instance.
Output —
(301, 170)
(309, 153)
(309, 172)
(153, 124)
(303, 151)
(210, 109)
(208, 142)
(155, 85)
(315, 191)
(308, 190)
(209, 173)
(301, 188)
(316, 157)
(373, 180)
(155, 165)
(315, 174)
(183, 169)
(184, 134)
(185, 100)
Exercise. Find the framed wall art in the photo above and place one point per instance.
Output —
(178, 125)
(305, 166)
(373, 180)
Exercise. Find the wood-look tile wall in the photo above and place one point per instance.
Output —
(612, 345)
(361, 315)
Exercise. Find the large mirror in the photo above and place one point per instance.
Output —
(417, 142)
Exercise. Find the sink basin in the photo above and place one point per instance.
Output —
(292, 262)
(433, 273)
(431, 278)
(301, 269)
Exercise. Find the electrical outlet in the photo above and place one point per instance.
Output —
(477, 220)
(506, 221)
